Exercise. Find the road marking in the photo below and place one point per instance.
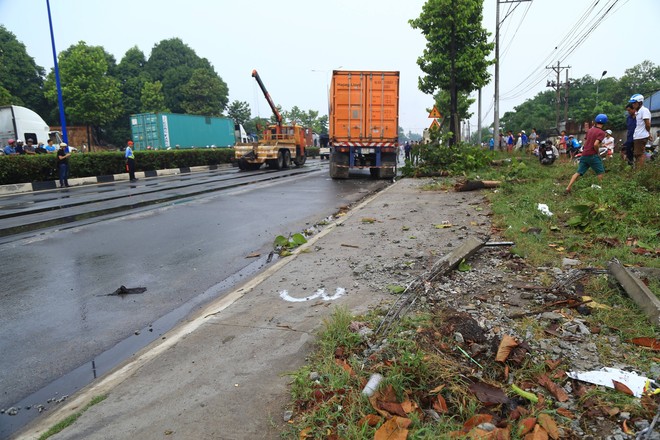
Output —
(319, 294)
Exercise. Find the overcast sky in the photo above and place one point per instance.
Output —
(295, 44)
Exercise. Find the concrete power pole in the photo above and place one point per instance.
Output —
(557, 87)
(496, 105)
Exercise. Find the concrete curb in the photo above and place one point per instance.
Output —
(20, 188)
(637, 291)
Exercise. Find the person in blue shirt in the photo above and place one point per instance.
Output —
(573, 146)
(9, 150)
(631, 124)
(50, 147)
(491, 144)
(130, 161)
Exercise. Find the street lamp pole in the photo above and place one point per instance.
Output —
(598, 84)
(60, 101)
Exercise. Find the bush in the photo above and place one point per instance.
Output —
(43, 167)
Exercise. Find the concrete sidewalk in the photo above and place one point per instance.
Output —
(223, 374)
(19, 188)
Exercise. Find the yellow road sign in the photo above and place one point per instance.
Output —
(435, 113)
(434, 125)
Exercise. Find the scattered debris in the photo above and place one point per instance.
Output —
(545, 210)
(123, 290)
(610, 377)
(472, 185)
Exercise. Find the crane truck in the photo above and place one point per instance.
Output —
(364, 122)
(280, 144)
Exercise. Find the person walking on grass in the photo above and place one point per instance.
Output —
(590, 157)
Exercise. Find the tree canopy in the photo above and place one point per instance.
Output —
(456, 55)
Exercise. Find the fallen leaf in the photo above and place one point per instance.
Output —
(619, 386)
(481, 434)
(557, 391)
(409, 406)
(395, 428)
(253, 255)
(439, 404)
(526, 425)
(651, 343)
(476, 420)
(368, 220)
(548, 423)
(370, 419)
(565, 413)
(305, 433)
(443, 226)
(488, 394)
(392, 408)
(626, 429)
(552, 364)
(344, 365)
(437, 389)
(507, 344)
(538, 434)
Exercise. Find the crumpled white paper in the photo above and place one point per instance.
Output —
(544, 209)
(606, 375)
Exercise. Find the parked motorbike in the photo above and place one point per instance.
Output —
(547, 153)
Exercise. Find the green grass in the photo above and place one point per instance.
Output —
(620, 220)
(72, 418)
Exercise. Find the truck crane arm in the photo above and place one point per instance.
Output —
(255, 75)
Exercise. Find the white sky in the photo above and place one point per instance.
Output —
(295, 44)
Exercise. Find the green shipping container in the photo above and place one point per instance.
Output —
(170, 130)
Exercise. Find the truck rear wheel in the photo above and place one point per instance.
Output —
(300, 160)
(287, 158)
(336, 171)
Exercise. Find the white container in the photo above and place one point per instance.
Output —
(372, 385)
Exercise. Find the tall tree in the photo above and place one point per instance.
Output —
(20, 75)
(455, 58)
(91, 97)
(239, 111)
(152, 99)
(174, 63)
(204, 94)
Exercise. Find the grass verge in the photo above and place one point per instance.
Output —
(71, 419)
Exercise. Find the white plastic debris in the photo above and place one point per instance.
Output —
(372, 385)
(544, 209)
(636, 383)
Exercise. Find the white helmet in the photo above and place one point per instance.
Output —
(637, 98)
(608, 131)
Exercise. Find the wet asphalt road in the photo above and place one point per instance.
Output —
(55, 312)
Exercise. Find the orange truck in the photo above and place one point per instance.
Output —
(364, 122)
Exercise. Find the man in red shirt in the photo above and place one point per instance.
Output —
(590, 157)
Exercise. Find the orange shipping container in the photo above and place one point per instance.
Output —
(364, 108)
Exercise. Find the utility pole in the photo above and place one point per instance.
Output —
(557, 86)
(479, 119)
(567, 84)
(496, 105)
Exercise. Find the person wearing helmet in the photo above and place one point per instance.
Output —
(573, 146)
(130, 161)
(607, 147)
(642, 133)
(590, 157)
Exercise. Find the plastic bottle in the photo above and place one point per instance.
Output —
(372, 385)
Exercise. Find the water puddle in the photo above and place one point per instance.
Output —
(59, 390)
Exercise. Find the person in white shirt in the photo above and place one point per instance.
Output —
(606, 149)
(642, 132)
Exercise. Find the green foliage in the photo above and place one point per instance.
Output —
(589, 216)
(239, 111)
(152, 99)
(286, 244)
(92, 96)
(43, 167)
(19, 75)
(456, 55)
(205, 93)
(436, 159)
(68, 421)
